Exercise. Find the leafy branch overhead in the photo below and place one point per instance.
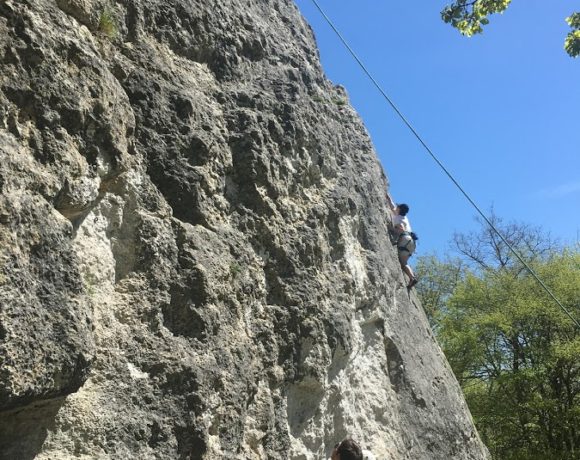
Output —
(469, 17)
(572, 43)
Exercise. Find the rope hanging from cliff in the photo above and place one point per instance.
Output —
(434, 157)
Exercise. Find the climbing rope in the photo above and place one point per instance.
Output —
(434, 157)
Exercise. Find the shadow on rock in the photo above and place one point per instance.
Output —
(24, 430)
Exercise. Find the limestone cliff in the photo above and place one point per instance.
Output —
(194, 255)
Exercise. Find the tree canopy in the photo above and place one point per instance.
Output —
(469, 17)
(515, 353)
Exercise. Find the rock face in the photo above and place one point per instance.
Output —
(194, 250)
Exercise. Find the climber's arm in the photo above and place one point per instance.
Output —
(391, 203)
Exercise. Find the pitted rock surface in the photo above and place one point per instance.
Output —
(194, 251)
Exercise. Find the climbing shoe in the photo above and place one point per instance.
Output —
(412, 283)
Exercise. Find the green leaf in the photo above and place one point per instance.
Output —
(572, 42)
(574, 20)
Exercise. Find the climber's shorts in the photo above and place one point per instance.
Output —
(404, 256)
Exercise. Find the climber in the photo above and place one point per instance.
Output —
(346, 450)
(404, 237)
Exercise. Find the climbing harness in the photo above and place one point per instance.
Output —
(406, 242)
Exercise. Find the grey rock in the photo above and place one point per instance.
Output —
(194, 250)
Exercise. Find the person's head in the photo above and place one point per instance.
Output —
(402, 209)
(347, 450)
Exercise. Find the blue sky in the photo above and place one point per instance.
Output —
(501, 110)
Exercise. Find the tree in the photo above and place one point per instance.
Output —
(438, 282)
(484, 249)
(515, 353)
(469, 17)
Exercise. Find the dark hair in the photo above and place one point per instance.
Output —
(349, 450)
(403, 209)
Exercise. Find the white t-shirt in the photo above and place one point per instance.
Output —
(402, 220)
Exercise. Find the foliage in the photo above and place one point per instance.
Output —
(469, 17)
(572, 43)
(235, 270)
(337, 101)
(515, 353)
(438, 282)
(108, 23)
